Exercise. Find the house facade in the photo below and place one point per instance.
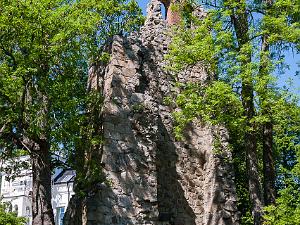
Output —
(16, 193)
(62, 191)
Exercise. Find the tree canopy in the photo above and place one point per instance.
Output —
(242, 44)
(46, 48)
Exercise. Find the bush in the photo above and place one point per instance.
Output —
(10, 218)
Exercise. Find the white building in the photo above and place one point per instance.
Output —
(17, 193)
(62, 191)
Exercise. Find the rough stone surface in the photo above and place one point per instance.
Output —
(153, 179)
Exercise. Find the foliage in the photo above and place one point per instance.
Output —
(46, 49)
(10, 218)
(215, 104)
(287, 209)
(243, 59)
(287, 146)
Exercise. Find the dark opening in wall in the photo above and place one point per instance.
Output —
(164, 216)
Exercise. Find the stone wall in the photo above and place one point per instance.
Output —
(152, 178)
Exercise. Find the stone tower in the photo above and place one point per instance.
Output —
(153, 179)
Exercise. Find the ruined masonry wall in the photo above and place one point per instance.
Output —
(154, 179)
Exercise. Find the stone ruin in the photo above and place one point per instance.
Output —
(154, 179)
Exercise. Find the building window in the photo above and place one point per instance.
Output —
(16, 209)
(28, 215)
(28, 211)
(15, 183)
(60, 212)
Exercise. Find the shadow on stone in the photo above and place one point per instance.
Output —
(172, 204)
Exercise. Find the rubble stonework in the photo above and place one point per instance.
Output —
(152, 178)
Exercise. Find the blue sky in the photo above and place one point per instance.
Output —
(291, 58)
(143, 4)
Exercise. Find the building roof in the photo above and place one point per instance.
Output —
(65, 176)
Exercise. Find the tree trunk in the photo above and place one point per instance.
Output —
(76, 211)
(42, 212)
(268, 164)
(251, 158)
(239, 19)
(268, 159)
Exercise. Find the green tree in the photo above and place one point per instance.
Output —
(287, 149)
(10, 218)
(45, 50)
(239, 43)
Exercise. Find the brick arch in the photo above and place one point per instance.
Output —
(172, 17)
